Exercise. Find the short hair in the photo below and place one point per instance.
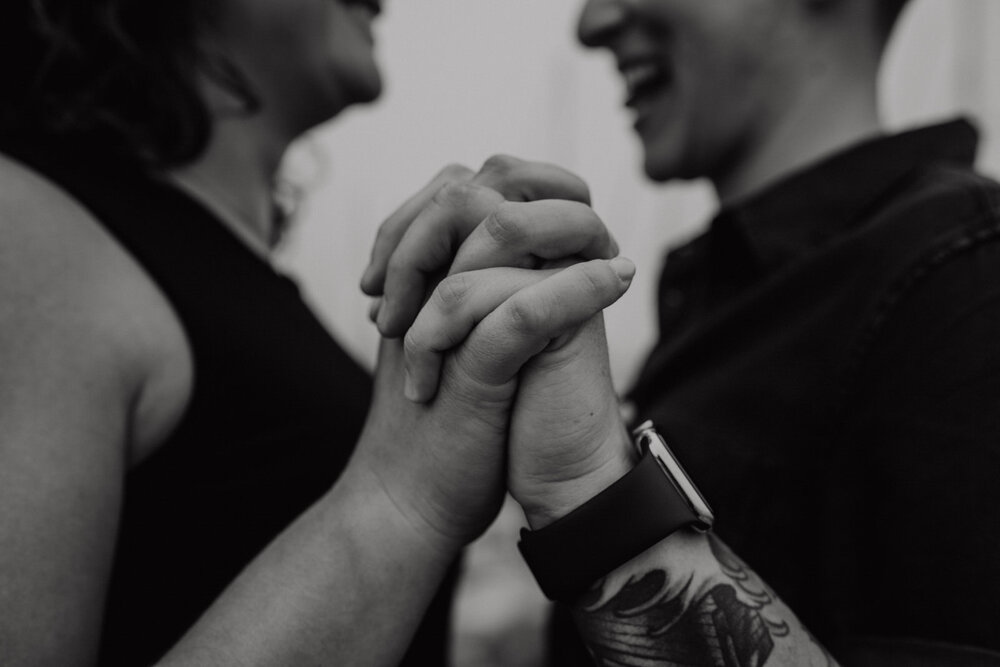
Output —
(887, 13)
(122, 72)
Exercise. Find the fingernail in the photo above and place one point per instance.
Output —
(381, 316)
(614, 248)
(623, 267)
(374, 309)
(409, 388)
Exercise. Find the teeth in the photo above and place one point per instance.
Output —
(639, 75)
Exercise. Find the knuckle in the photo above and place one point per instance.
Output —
(451, 292)
(591, 222)
(455, 172)
(501, 165)
(505, 225)
(579, 211)
(455, 194)
(594, 283)
(397, 266)
(445, 194)
(584, 220)
(578, 187)
(382, 235)
(574, 188)
(527, 316)
(413, 344)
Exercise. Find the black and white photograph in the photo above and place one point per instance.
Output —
(499, 333)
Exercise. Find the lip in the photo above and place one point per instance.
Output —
(644, 78)
(364, 13)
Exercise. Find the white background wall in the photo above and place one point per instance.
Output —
(469, 78)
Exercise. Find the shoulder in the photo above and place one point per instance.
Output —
(72, 298)
(934, 335)
(943, 198)
(944, 226)
(80, 355)
(935, 240)
(932, 314)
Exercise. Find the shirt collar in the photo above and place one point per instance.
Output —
(809, 208)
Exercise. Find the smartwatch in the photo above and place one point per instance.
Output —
(652, 501)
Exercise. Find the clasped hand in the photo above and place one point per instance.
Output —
(493, 371)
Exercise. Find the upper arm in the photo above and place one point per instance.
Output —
(68, 378)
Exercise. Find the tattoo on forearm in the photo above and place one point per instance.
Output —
(654, 620)
(752, 587)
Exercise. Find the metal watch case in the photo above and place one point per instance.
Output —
(647, 439)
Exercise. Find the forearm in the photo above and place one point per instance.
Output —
(690, 600)
(347, 583)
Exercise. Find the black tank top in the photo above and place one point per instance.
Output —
(276, 409)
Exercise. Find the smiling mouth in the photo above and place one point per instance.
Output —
(643, 79)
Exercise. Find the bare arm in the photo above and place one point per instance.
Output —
(69, 376)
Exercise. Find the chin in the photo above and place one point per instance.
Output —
(348, 94)
(369, 93)
(365, 87)
(663, 152)
(672, 161)
(658, 169)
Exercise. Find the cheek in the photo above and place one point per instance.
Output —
(725, 76)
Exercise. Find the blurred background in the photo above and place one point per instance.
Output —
(469, 78)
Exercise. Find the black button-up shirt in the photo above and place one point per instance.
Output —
(829, 373)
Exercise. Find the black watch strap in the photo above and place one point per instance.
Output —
(640, 509)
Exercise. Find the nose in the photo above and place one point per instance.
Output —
(600, 20)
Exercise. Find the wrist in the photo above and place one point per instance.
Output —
(556, 498)
(656, 497)
(367, 489)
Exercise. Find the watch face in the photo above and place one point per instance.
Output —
(648, 439)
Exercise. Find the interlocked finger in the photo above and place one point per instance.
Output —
(392, 230)
(525, 324)
(523, 234)
(414, 250)
(456, 306)
(427, 249)
(524, 180)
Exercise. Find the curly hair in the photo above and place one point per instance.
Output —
(123, 72)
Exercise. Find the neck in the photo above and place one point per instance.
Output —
(234, 178)
(832, 111)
